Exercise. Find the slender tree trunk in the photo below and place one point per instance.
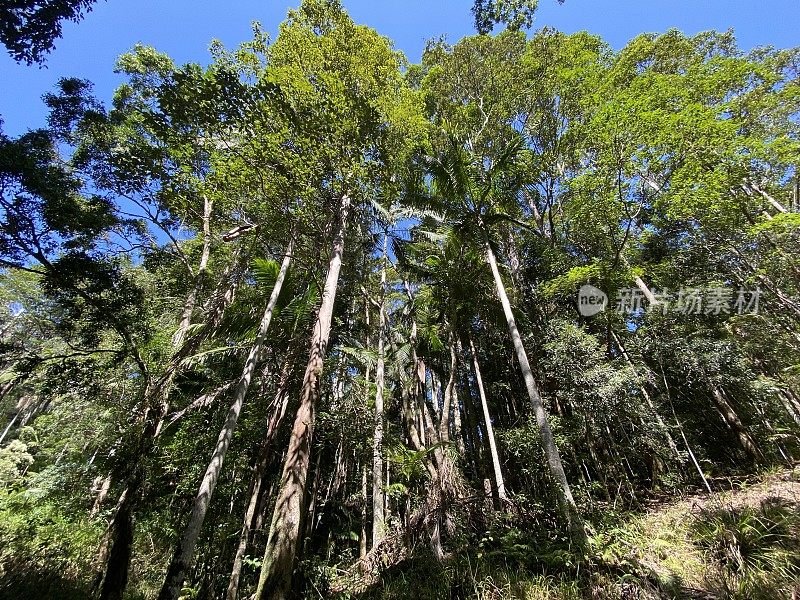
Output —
(378, 501)
(441, 459)
(457, 427)
(551, 451)
(281, 402)
(436, 392)
(662, 425)
(418, 387)
(191, 299)
(775, 204)
(787, 302)
(481, 458)
(498, 473)
(387, 514)
(733, 421)
(683, 435)
(363, 543)
(184, 552)
(449, 394)
(645, 290)
(10, 425)
(310, 514)
(471, 429)
(276, 570)
(362, 539)
(513, 257)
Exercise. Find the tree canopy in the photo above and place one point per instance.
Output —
(29, 29)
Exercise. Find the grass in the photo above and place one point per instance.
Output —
(755, 552)
(742, 544)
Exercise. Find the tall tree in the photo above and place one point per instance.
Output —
(176, 574)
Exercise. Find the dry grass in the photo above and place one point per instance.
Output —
(663, 541)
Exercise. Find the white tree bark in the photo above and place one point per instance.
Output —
(554, 463)
(498, 473)
(191, 300)
(184, 552)
(284, 535)
(378, 495)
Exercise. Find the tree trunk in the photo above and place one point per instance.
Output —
(733, 421)
(184, 552)
(646, 291)
(662, 425)
(791, 406)
(378, 524)
(436, 392)
(281, 402)
(191, 300)
(470, 431)
(276, 570)
(121, 542)
(775, 204)
(362, 539)
(683, 435)
(449, 394)
(569, 507)
(116, 551)
(309, 514)
(457, 428)
(408, 404)
(498, 473)
(10, 425)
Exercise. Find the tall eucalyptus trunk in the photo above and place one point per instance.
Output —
(284, 534)
(554, 463)
(378, 495)
(184, 552)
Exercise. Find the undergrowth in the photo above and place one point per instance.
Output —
(740, 546)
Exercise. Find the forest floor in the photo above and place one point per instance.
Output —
(740, 543)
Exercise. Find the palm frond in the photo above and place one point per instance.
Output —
(202, 357)
(265, 271)
(367, 358)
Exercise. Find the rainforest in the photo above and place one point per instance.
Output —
(520, 320)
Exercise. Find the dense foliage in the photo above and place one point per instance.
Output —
(313, 321)
(29, 28)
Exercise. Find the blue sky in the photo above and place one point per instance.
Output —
(184, 28)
